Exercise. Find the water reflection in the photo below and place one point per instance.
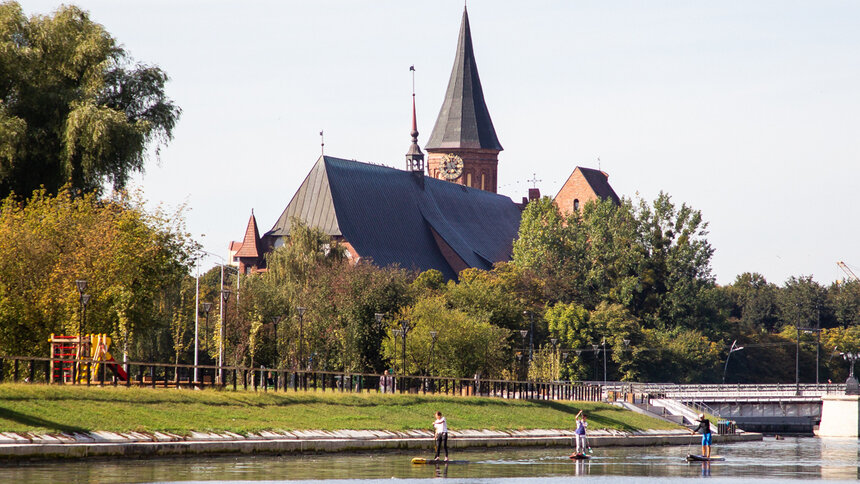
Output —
(789, 459)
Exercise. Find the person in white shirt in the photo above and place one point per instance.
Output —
(441, 427)
(581, 426)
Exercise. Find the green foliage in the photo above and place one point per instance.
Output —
(132, 261)
(465, 345)
(487, 295)
(74, 107)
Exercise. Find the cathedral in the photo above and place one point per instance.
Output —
(445, 216)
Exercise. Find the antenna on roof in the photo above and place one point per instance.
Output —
(322, 143)
(598, 164)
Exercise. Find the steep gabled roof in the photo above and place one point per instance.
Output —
(387, 216)
(251, 242)
(599, 182)
(464, 121)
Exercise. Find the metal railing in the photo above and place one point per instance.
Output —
(167, 375)
(757, 390)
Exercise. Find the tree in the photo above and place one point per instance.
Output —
(133, 262)
(754, 302)
(465, 345)
(74, 107)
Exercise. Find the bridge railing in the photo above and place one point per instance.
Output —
(750, 389)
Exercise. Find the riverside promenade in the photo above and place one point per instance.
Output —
(27, 446)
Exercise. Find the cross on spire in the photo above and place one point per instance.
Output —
(534, 181)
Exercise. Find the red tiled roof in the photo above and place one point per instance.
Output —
(251, 242)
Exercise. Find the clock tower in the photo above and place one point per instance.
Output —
(463, 147)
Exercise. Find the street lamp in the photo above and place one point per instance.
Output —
(851, 385)
(596, 348)
(405, 328)
(206, 308)
(301, 312)
(225, 296)
(553, 364)
(395, 333)
(604, 361)
(275, 321)
(524, 333)
(734, 348)
(82, 286)
(433, 335)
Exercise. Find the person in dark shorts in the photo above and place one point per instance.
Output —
(441, 427)
(705, 428)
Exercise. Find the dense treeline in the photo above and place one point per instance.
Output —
(623, 288)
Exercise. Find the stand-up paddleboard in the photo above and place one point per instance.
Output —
(420, 460)
(701, 458)
(579, 456)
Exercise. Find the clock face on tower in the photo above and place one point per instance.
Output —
(451, 166)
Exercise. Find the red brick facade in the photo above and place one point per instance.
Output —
(576, 192)
(480, 167)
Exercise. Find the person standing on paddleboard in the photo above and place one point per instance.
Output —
(581, 426)
(705, 428)
(441, 427)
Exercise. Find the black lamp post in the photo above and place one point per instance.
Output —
(552, 367)
(275, 321)
(433, 335)
(301, 312)
(524, 333)
(405, 328)
(82, 286)
(596, 348)
(207, 306)
(396, 334)
(225, 296)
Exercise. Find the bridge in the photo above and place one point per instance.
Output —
(771, 408)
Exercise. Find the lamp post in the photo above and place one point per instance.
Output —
(405, 328)
(206, 308)
(82, 286)
(596, 348)
(552, 367)
(275, 321)
(524, 333)
(225, 296)
(604, 361)
(531, 333)
(851, 385)
(395, 333)
(301, 312)
(433, 335)
(734, 348)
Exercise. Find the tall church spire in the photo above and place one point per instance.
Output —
(463, 147)
(464, 121)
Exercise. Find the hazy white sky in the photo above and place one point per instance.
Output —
(747, 111)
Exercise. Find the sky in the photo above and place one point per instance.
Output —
(746, 111)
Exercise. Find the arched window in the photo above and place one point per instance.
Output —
(576, 204)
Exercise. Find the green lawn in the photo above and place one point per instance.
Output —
(52, 409)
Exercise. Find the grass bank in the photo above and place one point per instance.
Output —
(54, 409)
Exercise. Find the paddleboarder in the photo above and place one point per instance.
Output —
(581, 426)
(705, 428)
(441, 427)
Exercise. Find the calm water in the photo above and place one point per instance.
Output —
(774, 460)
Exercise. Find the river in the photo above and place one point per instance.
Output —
(794, 458)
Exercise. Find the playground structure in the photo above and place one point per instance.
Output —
(82, 358)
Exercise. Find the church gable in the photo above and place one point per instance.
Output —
(582, 186)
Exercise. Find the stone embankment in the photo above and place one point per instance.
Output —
(25, 446)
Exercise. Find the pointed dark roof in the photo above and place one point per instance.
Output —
(464, 121)
(386, 215)
(251, 242)
(599, 182)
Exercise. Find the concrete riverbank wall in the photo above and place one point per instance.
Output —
(14, 446)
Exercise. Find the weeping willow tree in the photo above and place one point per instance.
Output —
(74, 107)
